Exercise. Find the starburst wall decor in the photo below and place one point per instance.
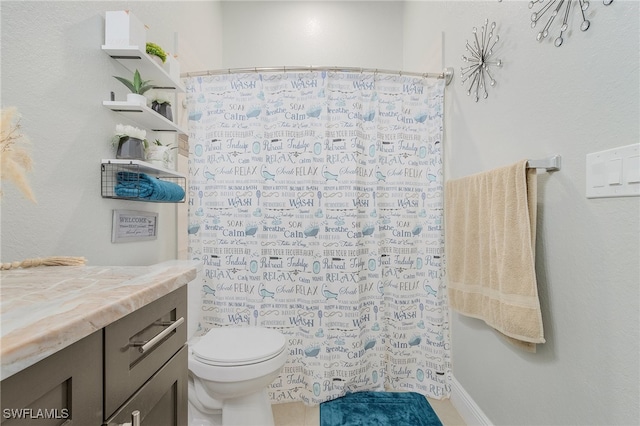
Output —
(556, 8)
(478, 73)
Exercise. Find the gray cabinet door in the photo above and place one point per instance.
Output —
(161, 401)
(64, 388)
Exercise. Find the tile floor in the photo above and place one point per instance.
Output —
(298, 414)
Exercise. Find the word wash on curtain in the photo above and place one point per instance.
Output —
(316, 208)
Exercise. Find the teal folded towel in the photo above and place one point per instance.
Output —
(141, 185)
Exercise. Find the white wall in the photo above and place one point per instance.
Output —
(364, 34)
(55, 73)
(580, 98)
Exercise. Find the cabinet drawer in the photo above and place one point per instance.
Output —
(162, 401)
(127, 363)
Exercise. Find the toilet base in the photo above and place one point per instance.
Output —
(197, 418)
(249, 410)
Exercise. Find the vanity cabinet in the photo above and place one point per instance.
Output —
(64, 388)
(133, 371)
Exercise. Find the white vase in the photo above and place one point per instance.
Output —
(158, 59)
(134, 98)
(159, 155)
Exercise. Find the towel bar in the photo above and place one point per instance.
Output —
(551, 164)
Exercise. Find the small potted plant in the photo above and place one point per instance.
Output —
(137, 86)
(159, 154)
(161, 103)
(157, 53)
(130, 142)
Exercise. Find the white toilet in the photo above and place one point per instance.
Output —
(229, 371)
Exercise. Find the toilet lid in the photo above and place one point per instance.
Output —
(238, 346)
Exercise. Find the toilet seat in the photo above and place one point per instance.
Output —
(234, 347)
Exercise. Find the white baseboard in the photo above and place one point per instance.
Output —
(466, 406)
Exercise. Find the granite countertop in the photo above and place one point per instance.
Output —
(45, 309)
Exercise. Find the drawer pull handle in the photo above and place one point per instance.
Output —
(148, 344)
(135, 418)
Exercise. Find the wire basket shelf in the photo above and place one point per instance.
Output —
(109, 179)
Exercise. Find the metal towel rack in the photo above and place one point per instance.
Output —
(551, 164)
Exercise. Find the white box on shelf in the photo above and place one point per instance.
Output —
(123, 29)
(172, 67)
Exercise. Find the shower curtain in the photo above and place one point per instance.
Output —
(316, 209)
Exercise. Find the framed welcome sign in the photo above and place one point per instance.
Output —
(131, 225)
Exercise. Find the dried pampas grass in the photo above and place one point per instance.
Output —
(45, 261)
(15, 161)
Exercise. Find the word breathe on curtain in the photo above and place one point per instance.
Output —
(316, 208)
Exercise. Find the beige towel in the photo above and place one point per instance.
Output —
(490, 231)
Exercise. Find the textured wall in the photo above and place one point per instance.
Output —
(580, 98)
(55, 73)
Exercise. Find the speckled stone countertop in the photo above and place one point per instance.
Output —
(45, 309)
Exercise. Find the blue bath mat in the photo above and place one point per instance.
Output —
(378, 409)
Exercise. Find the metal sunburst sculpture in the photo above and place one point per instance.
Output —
(582, 5)
(481, 60)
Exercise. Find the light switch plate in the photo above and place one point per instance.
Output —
(614, 172)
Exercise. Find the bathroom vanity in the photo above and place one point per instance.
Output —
(95, 345)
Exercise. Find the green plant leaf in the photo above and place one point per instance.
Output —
(138, 85)
(137, 81)
(143, 89)
(154, 49)
(126, 83)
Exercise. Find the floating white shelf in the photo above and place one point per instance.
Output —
(133, 58)
(144, 116)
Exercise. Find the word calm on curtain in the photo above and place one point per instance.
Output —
(316, 207)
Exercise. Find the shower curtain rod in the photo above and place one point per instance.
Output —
(447, 73)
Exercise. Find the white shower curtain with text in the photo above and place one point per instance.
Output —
(316, 209)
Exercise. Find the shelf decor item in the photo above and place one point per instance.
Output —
(123, 29)
(130, 141)
(161, 103)
(137, 86)
(156, 52)
(160, 155)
